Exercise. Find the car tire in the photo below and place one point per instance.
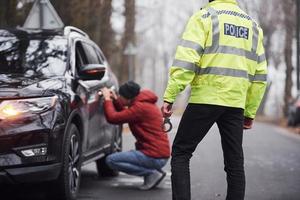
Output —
(103, 169)
(66, 187)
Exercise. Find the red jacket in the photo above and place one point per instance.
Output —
(145, 122)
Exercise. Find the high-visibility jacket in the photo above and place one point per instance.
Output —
(221, 56)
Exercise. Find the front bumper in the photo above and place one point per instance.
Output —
(30, 174)
(17, 136)
(27, 133)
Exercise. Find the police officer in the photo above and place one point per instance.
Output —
(221, 56)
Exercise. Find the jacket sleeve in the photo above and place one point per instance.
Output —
(187, 58)
(258, 85)
(125, 116)
(118, 105)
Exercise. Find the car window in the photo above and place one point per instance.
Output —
(91, 54)
(80, 56)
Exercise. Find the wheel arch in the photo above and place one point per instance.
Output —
(76, 119)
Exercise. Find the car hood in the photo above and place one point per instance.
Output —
(14, 86)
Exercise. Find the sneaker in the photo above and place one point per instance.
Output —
(152, 180)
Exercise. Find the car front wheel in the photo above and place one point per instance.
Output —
(67, 185)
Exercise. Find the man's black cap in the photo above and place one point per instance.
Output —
(129, 90)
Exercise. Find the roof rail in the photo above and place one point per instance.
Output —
(69, 29)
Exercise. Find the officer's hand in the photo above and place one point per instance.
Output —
(248, 123)
(106, 93)
(166, 109)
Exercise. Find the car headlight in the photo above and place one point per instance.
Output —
(10, 109)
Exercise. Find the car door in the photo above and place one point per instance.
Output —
(97, 125)
(110, 131)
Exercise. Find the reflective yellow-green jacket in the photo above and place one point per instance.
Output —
(221, 56)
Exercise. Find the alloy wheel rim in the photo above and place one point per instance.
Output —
(73, 169)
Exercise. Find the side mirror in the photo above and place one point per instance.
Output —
(92, 72)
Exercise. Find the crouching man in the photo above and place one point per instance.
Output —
(139, 110)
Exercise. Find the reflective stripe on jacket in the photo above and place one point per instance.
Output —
(222, 57)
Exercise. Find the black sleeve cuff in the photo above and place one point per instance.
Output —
(168, 102)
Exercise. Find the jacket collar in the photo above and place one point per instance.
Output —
(223, 1)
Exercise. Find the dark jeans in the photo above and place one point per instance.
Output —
(195, 123)
(135, 163)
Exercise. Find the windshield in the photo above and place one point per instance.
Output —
(32, 56)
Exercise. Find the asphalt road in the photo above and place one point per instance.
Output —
(272, 162)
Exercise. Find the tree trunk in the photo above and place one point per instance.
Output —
(8, 14)
(106, 39)
(268, 21)
(80, 14)
(100, 29)
(3, 6)
(64, 10)
(128, 37)
(288, 51)
(95, 19)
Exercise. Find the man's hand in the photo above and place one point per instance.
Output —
(166, 109)
(248, 123)
(113, 95)
(106, 93)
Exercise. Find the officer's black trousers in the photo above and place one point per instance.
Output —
(195, 123)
